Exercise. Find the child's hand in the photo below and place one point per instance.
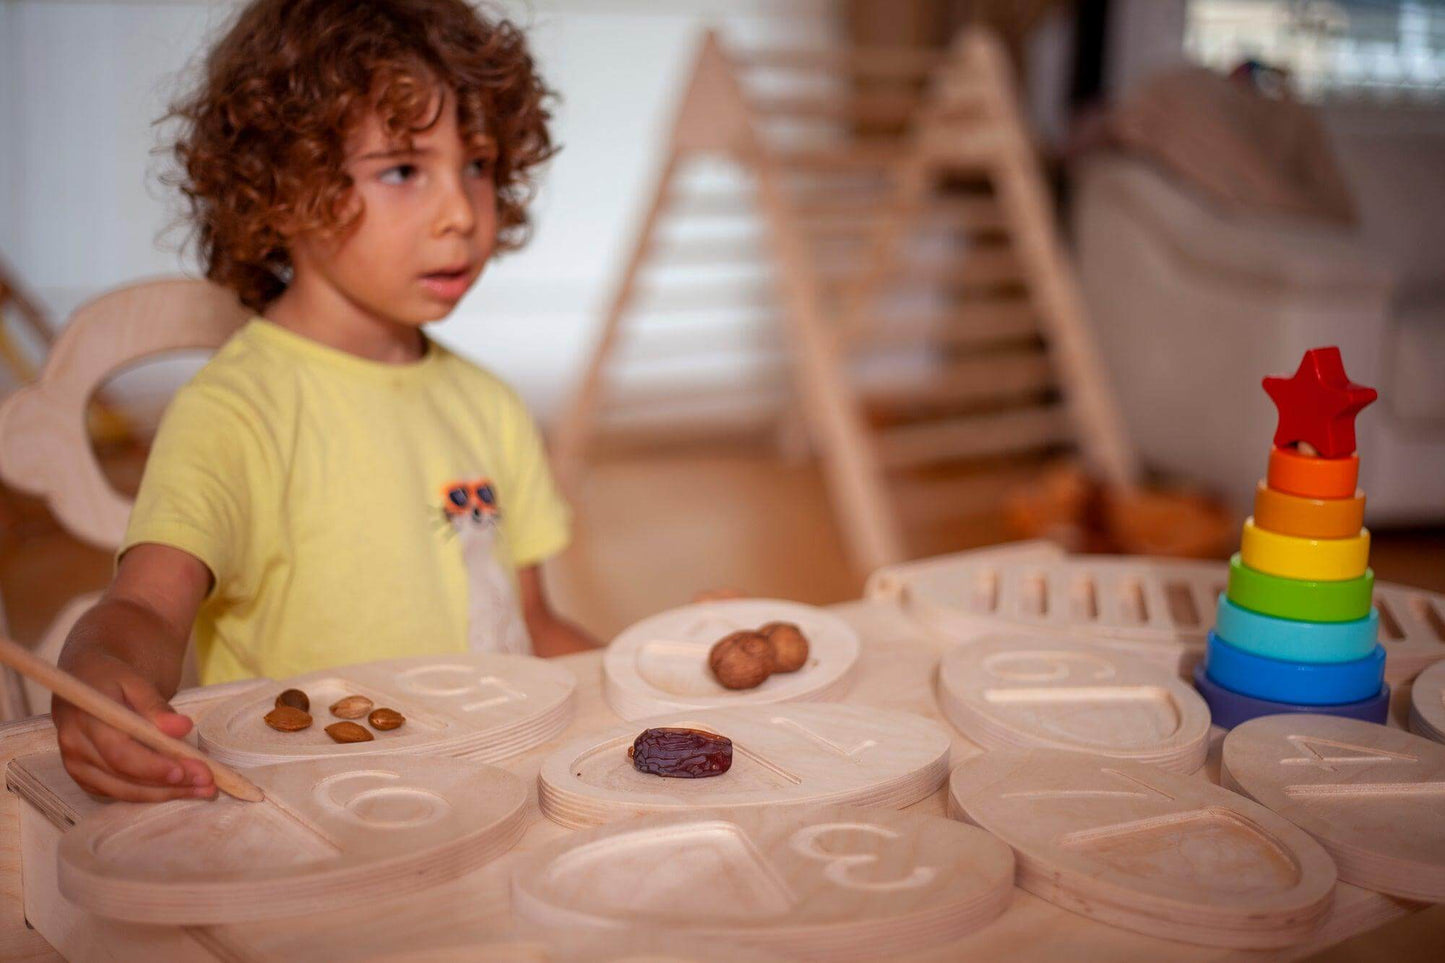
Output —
(108, 762)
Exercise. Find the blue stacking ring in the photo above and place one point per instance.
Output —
(1297, 683)
(1229, 709)
(1291, 640)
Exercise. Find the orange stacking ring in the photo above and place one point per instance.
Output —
(1312, 477)
(1308, 517)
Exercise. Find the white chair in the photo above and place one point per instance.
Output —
(45, 448)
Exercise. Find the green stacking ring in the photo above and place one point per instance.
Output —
(1300, 599)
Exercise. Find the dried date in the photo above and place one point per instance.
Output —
(681, 753)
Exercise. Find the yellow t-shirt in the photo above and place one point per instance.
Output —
(349, 510)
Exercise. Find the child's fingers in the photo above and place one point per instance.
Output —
(143, 698)
(95, 780)
(84, 751)
(129, 759)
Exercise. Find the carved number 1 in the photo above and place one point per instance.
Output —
(805, 843)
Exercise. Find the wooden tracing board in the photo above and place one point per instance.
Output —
(1157, 609)
(661, 663)
(331, 833)
(1017, 691)
(828, 882)
(1134, 846)
(1427, 703)
(484, 706)
(853, 251)
(1373, 796)
(785, 757)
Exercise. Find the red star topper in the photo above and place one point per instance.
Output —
(1318, 405)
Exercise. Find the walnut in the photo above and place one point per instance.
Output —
(741, 660)
(790, 645)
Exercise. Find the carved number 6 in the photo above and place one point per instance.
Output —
(805, 843)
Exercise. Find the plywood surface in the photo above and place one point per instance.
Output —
(831, 882)
(1155, 609)
(784, 758)
(1016, 690)
(896, 671)
(483, 706)
(1144, 849)
(1373, 796)
(660, 664)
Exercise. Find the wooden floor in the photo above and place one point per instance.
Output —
(650, 532)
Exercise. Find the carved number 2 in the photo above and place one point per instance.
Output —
(805, 842)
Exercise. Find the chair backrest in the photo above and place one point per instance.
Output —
(45, 447)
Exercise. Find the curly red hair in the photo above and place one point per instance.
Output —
(263, 136)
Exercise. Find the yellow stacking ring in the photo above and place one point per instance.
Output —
(1315, 559)
(1288, 514)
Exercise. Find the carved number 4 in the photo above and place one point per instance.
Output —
(1327, 754)
(839, 865)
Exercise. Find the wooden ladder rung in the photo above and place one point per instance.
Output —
(982, 322)
(847, 157)
(767, 385)
(859, 107)
(710, 252)
(992, 378)
(882, 62)
(922, 501)
(978, 268)
(704, 296)
(997, 433)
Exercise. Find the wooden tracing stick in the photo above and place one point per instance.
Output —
(118, 716)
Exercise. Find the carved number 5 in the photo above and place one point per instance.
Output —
(805, 843)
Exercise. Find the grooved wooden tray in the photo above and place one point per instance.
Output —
(832, 883)
(481, 706)
(1134, 846)
(1374, 797)
(1155, 608)
(331, 833)
(660, 664)
(1019, 691)
(1427, 703)
(784, 757)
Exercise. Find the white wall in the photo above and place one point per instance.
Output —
(81, 209)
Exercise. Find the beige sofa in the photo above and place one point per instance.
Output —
(1194, 303)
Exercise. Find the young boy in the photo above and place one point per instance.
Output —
(334, 487)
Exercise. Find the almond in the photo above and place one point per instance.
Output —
(385, 719)
(288, 719)
(351, 707)
(348, 732)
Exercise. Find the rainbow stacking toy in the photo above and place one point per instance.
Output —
(1295, 632)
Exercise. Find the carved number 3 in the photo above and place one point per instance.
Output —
(805, 842)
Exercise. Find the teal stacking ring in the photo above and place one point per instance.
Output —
(1300, 599)
(1291, 640)
(1297, 683)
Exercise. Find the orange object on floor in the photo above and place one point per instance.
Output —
(1312, 477)
(1287, 514)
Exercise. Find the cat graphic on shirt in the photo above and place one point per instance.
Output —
(494, 618)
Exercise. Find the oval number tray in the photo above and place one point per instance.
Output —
(660, 664)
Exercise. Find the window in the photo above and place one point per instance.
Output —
(1375, 49)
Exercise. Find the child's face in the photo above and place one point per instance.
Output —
(427, 225)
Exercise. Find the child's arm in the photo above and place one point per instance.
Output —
(551, 635)
(130, 646)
